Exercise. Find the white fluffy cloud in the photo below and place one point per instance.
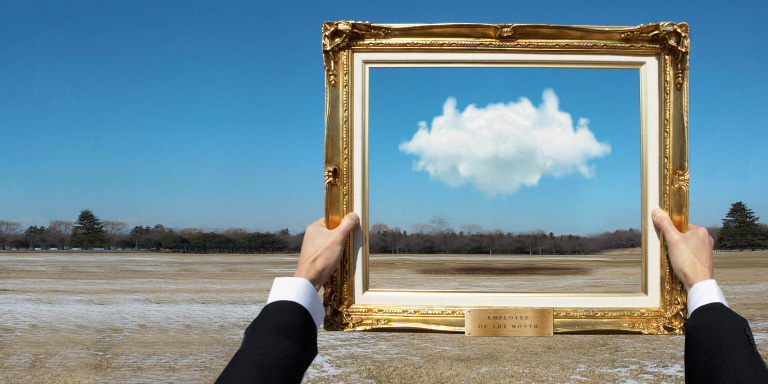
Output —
(502, 147)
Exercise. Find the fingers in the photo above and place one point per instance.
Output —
(348, 224)
(664, 223)
(322, 249)
(690, 254)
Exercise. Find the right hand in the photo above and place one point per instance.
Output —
(690, 253)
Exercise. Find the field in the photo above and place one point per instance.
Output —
(616, 271)
(160, 318)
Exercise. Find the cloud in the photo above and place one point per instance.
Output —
(502, 147)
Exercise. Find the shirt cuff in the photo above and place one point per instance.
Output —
(298, 290)
(704, 292)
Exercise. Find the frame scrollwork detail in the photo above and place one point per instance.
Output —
(675, 39)
(338, 36)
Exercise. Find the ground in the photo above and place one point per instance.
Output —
(150, 318)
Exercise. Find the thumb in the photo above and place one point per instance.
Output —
(664, 223)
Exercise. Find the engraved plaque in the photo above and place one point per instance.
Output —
(508, 322)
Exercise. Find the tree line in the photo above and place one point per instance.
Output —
(383, 239)
(88, 232)
(740, 231)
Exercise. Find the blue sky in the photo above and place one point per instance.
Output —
(210, 114)
(606, 198)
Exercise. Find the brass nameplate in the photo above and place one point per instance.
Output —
(508, 322)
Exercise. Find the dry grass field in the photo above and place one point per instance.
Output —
(158, 318)
(616, 271)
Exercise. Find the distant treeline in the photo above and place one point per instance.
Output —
(159, 238)
(88, 232)
(384, 239)
(740, 230)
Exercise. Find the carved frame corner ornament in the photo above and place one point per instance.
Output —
(667, 42)
(674, 37)
(339, 35)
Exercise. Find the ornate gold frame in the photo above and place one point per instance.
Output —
(660, 51)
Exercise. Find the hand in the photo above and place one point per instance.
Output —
(322, 248)
(690, 253)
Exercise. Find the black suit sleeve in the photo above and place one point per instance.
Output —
(278, 346)
(719, 348)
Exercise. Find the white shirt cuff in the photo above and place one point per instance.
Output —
(704, 292)
(299, 290)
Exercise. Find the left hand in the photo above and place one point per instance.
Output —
(322, 248)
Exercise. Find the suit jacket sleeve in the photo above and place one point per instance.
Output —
(719, 348)
(278, 346)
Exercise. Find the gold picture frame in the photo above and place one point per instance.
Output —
(660, 54)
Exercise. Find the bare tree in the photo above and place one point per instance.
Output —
(113, 230)
(377, 238)
(494, 237)
(714, 231)
(423, 229)
(442, 229)
(59, 232)
(8, 229)
(395, 235)
(471, 229)
(439, 222)
(379, 228)
(235, 232)
(537, 241)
